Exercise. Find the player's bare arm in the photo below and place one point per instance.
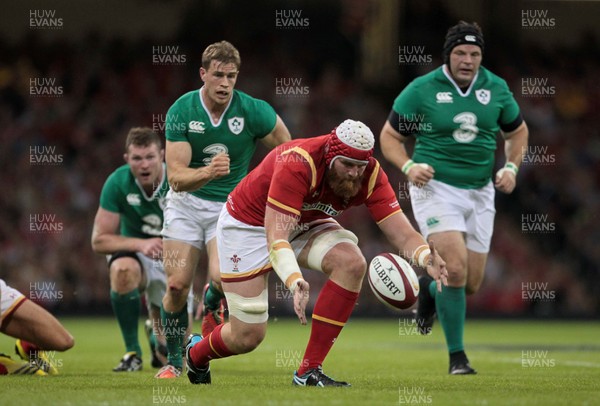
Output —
(107, 240)
(515, 143)
(410, 244)
(182, 178)
(278, 227)
(278, 136)
(392, 145)
(393, 149)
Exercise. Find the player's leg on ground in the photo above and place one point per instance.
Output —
(475, 270)
(346, 267)
(33, 323)
(246, 327)
(243, 333)
(213, 308)
(125, 282)
(451, 303)
(183, 259)
(158, 344)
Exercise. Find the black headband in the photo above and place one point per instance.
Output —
(464, 35)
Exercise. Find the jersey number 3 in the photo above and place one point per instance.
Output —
(468, 127)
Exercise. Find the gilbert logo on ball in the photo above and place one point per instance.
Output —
(393, 281)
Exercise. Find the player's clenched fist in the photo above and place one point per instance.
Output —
(219, 165)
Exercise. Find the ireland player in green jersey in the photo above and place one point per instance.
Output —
(127, 229)
(454, 114)
(211, 136)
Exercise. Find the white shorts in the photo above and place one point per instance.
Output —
(156, 280)
(440, 207)
(10, 300)
(190, 219)
(243, 252)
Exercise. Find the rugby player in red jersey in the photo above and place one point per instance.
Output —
(280, 217)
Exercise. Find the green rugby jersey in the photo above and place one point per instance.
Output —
(141, 215)
(456, 131)
(244, 121)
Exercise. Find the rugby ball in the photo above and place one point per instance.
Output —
(393, 281)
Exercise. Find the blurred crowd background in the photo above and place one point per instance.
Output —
(342, 58)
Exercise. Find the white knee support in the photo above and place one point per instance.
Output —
(253, 310)
(326, 241)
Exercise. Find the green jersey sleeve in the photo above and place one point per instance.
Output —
(510, 110)
(262, 117)
(407, 107)
(408, 101)
(109, 197)
(176, 122)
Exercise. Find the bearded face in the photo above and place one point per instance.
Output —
(345, 178)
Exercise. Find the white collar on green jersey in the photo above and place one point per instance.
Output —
(208, 112)
(460, 92)
(156, 190)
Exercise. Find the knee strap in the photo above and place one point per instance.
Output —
(326, 241)
(252, 310)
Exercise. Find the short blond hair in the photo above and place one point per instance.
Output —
(223, 52)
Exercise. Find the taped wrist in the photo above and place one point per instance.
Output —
(421, 256)
(406, 167)
(284, 263)
(509, 166)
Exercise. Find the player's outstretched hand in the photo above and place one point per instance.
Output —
(437, 268)
(301, 300)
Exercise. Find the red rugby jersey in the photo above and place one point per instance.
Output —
(291, 179)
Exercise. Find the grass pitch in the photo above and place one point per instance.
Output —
(387, 363)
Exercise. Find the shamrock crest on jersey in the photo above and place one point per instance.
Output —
(242, 123)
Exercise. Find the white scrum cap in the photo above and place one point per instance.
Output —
(352, 140)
